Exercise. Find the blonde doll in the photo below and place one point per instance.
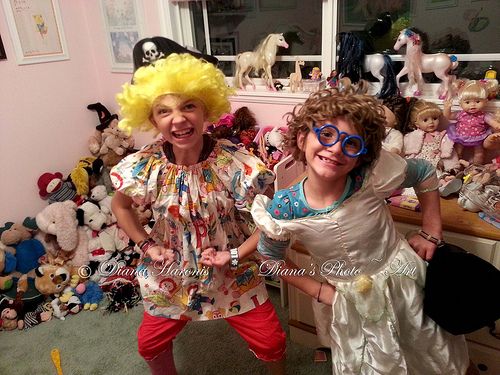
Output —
(473, 125)
(426, 141)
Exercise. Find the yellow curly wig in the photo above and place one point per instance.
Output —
(180, 74)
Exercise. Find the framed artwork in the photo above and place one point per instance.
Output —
(436, 4)
(359, 13)
(224, 46)
(123, 25)
(3, 56)
(36, 30)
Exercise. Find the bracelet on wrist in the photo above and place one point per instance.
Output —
(431, 238)
(235, 258)
(146, 244)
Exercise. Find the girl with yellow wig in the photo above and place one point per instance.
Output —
(196, 187)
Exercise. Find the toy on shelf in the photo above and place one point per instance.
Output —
(353, 61)
(296, 77)
(315, 74)
(473, 125)
(417, 62)
(393, 141)
(481, 190)
(428, 143)
(262, 58)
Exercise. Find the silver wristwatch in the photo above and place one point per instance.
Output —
(234, 258)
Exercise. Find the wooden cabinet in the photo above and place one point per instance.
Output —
(461, 228)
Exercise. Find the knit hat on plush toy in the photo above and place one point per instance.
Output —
(44, 183)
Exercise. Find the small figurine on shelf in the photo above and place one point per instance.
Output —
(472, 125)
(296, 77)
(315, 74)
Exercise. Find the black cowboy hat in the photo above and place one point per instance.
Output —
(461, 291)
(160, 47)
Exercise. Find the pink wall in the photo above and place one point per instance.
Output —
(44, 122)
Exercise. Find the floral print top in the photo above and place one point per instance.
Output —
(196, 207)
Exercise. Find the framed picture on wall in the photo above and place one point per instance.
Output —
(436, 4)
(224, 46)
(123, 26)
(36, 30)
(3, 56)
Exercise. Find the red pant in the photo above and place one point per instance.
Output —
(259, 327)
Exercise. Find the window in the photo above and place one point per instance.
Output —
(226, 27)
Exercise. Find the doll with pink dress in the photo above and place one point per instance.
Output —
(429, 143)
(472, 125)
(426, 141)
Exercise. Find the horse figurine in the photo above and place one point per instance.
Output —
(353, 61)
(296, 77)
(417, 62)
(261, 58)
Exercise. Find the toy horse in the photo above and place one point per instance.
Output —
(262, 58)
(296, 77)
(353, 61)
(417, 62)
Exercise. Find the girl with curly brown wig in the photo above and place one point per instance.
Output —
(369, 300)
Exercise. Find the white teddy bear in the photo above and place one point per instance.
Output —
(100, 195)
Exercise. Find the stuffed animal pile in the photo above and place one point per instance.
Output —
(63, 260)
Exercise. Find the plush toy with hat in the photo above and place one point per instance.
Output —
(54, 188)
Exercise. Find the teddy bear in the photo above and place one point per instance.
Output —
(116, 140)
(63, 239)
(100, 195)
(27, 250)
(105, 118)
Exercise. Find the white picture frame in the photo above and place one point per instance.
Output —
(36, 30)
(123, 26)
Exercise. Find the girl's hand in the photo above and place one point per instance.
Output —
(327, 294)
(160, 254)
(213, 258)
(425, 249)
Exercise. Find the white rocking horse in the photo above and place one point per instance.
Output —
(295, 79)
(262, 58)
(417, 62)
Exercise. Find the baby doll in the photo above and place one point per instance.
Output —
(429, 143)
(426, 141)
(393, 141)
(473, 125)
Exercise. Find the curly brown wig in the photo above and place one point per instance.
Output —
(364, 112)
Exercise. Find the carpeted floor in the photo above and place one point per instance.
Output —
(92, 343)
